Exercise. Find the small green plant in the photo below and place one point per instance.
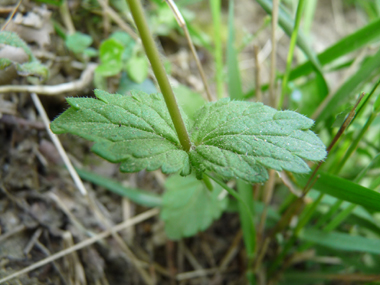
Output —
(227, 139)
(32, 67)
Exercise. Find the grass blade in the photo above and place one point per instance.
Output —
(345, 190)
(233, 74)
(348, 44)
(138, 196)
(287, 25)
(292, 45)
(351, 85)
(341, 241)
(218, 53)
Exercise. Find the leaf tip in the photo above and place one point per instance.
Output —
(101, 95)
(73, 103)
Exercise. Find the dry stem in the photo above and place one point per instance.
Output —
(181, 22)
(135, 220)
(85, 79)
(58, 145)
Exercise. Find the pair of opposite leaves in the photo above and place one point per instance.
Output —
(234, 139)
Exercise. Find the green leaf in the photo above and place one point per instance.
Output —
(127, 41)
(189, 207)
(126, 85)
(239, 139)
(137, 196)
(345, 190)
(33, 68)
(110, 52)
(189, 100)
(78, 42)
(4, 63)
(341, 241)
(135, 131)
(137, 68)
(12, 39)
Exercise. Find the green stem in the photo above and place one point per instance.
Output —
(207, 182)
(333, 209)
(159, 71)
(218, 53)
(338, 219)
(304, 219)
(245, 192)
(355, 143)
(293, 41)
(243, 207)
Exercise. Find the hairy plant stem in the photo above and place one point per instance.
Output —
(159, 71)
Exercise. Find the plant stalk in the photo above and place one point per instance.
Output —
(159, 71)
(293, 41)
(218, 53)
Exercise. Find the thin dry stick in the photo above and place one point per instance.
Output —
(272, 76)
(232, 251)
(347, 74)
(78, 182)
(85, 79)
(181, 22)
(66, 17)
(70, 215)
(261, 254)
(11, 16)
(131, 256)
(118, 20)
(32, 241)
(258, 94)
(196, 274)
(103, 220)
(269, 185)
(106, 22)
(11, 232)
(344, 126)
(135, 220)
(268, 192)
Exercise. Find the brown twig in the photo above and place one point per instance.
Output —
(118, 20)
(12, 15)
(344, 126)
(66, 17)
(85, 79)
(137, 219)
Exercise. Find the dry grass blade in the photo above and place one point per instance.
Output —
(272, 76)
(12, 15)
(181, 22)
(258, 95)
(118, 20)
(133, 221)
(58, 145)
